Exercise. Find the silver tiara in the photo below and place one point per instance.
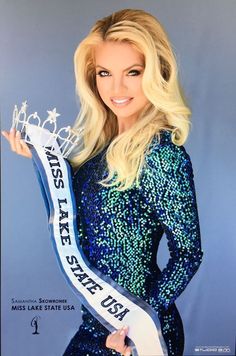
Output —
(44, 133)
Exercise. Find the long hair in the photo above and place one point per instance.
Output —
(166, 108)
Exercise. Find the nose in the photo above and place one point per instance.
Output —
(118, 84)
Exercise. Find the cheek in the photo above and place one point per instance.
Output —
(139, 88)
(138, 92)
(102, 87)
(135, 86)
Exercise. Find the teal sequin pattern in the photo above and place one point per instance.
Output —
(120, 234)
(168, 187)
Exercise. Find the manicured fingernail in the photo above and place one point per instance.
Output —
(122, 332)
(113, 332)
(12, 129)
(18, 133)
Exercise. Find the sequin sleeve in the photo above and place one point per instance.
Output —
(168, 186)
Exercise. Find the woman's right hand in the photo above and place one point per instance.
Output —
(18, 145)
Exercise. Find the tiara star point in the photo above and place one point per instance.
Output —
(24, 106)
(52, 115)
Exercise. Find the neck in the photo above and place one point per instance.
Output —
(125, 123)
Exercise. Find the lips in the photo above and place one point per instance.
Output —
(121, 101)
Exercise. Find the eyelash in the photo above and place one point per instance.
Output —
(104, 71)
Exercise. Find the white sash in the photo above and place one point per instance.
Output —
(109, 302)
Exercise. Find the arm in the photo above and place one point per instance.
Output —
(168, 186)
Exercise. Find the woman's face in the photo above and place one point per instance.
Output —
(119, 71)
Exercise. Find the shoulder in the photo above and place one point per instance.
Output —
(164, 156)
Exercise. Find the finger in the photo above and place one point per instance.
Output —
(112, 340)
(6, 135)
(12, 139)
(21, 149)
(127, 351)
(124, 330)
(116, 339)
(26, 149)
(108, 339)
(17, 143)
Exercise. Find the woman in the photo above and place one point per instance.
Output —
(133, 179)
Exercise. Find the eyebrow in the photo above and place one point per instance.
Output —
(134, 65)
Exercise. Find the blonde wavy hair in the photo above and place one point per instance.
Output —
(166, 110)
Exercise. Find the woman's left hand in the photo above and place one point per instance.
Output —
(116, 341)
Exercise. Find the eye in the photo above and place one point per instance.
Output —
(103, 73)
(134, 72)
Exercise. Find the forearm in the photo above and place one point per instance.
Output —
(175, 277)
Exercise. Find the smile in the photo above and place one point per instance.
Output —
(121, 102)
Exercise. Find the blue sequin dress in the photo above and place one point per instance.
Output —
(120, 233)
